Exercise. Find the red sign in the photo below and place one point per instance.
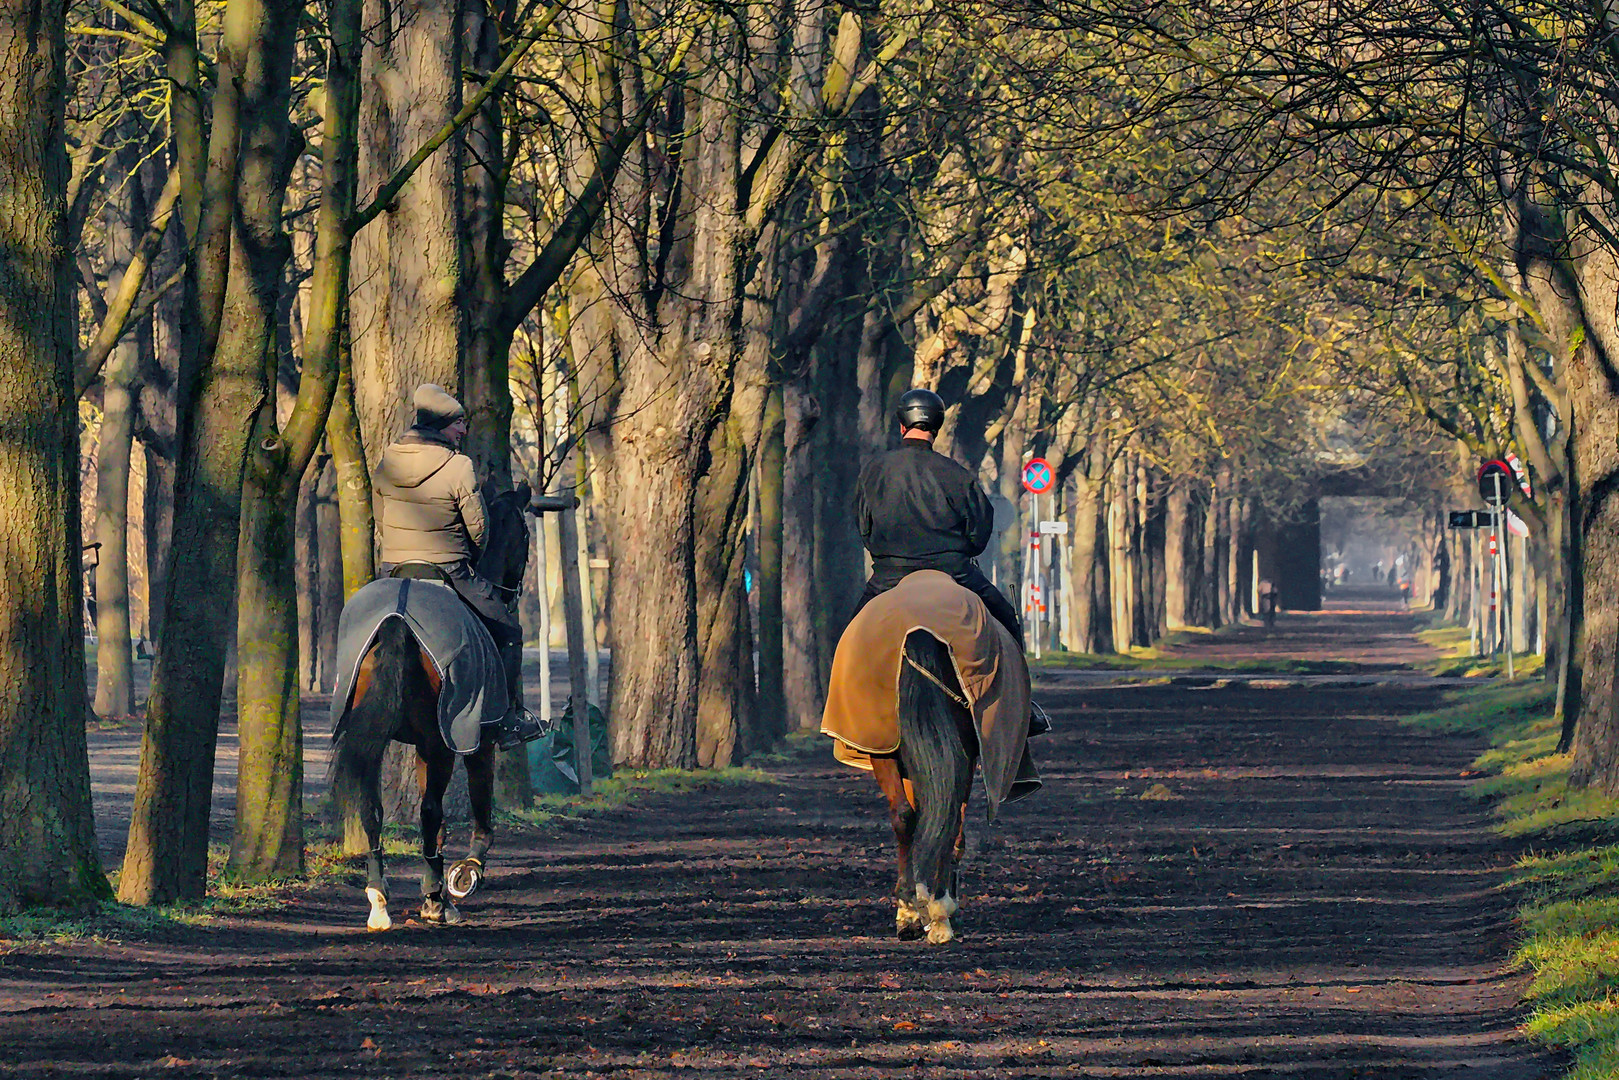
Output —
(1038, 476)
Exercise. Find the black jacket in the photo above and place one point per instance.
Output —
(920, 510)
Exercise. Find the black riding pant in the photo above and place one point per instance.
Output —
(967, 575)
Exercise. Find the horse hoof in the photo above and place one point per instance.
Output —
(908, 922)
(941, 933)
(464, 879)
(440, 913)
(379, 918)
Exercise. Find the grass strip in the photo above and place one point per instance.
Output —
(1569, 884)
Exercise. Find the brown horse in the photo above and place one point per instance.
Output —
(927, 782)
(395, 698)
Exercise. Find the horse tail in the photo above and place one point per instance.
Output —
(363, 733)
(934, 735)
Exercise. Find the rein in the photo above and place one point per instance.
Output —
(936, 681)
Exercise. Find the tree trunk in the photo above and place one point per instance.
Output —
(1594, 449)
(356, 542)
(1179, 579)
(306, 581)
(1210, 601)
(1121, 559)
(802, 603)
(329, 572)
(115, 683)
(406, 326)
(268, 838)
(1086, 622)
(772, 475)
(47, 842)
(652, 630)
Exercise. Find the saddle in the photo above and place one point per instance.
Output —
(422, 571)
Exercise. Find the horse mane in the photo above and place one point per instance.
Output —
(504, 558)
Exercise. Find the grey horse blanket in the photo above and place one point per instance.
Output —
(474, 679)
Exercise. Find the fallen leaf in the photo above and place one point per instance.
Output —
(904, 1025)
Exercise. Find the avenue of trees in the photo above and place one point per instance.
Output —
(681, 257)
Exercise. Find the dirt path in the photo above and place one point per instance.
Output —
(1317, 899)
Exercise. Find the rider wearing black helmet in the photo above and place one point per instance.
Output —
(919, 510)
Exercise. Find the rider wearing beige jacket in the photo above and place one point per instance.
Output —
(428, 510)
(425, 496)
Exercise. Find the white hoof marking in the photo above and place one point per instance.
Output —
(940, 932)
(907, 916)
(379, 919)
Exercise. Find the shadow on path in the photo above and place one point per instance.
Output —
(1316, 897)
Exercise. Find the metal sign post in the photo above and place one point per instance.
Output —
(1038, 478)
(573, 613)
(1493, 477)
(1035, 598)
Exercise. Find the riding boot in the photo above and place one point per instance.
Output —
(519, 725)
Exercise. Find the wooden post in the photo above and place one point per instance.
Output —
(573, 610)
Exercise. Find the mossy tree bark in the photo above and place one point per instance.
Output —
(47, 842)
(220, 387)
(268, 838)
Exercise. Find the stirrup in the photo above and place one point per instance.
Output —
(520, 727)
(1039, 719)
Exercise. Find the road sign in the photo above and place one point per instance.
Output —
(1495, 491)
(1054, 528)
(1470, 519)
(1037, 476)
(1520, 472)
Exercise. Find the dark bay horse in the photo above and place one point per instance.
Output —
(395, 697)
(927, 782)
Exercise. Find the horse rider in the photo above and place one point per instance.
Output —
(428, 510)
(921, 510)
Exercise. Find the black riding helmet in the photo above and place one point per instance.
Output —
(919, 408)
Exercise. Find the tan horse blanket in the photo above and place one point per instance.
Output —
(862, 704)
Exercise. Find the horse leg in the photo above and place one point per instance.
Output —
(908, 919)
(376, 877)
(958, 853)
(467, 875)
(434, 770)
(356, 777)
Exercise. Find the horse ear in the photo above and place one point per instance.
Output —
(488, 491)
(523, 494)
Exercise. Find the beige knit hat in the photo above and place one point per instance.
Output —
(434, 408)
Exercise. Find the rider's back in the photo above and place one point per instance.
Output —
(916, 505)
(427, 504)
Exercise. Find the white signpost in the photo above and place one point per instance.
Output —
(1493, 480)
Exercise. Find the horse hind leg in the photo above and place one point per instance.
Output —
(466, 876)
(935, 758)
(908, 918)
(434, 771)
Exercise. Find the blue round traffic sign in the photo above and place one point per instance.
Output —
(1038, 476)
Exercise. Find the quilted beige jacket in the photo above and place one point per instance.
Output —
(426, 501)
